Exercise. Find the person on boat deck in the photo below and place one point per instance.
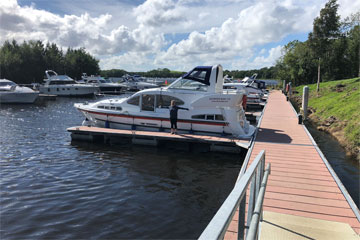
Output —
(173, 116)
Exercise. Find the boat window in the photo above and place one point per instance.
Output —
(107, 107)
(202, 116)
(229, 87)
(134, 101)
(219, 117)
(101, 107)
(62, 82)
(187, 84)
(148, 102)
(118, 108)
(164, 101)
(209, 117)
(102, 81)
(113, 108)
(197, 74)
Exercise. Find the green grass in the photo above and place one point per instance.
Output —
(344, 105)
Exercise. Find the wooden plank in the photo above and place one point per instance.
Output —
(161, 135)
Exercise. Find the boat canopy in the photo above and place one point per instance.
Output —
(200, 74)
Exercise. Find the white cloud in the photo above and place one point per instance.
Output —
(131, 37)
(348, 7)
(130, 61)
(259, 24)
(27, 23)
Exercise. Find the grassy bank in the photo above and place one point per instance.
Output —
(336, 110)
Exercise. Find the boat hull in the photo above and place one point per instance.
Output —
(112, 89)
(18, 97)
(157, 123)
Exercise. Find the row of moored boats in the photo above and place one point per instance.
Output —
(215, 106)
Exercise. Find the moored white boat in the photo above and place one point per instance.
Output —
(63, 85)
(136, 83)
(10, 92)
(211, 111)
(105, 86)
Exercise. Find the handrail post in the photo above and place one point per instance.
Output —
(262, 167)
(236, 200)
(252, 200)
(254, 224)
(241, 220)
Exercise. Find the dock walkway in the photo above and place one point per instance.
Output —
(302, 183)
(213, 143)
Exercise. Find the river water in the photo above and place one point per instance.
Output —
(54, 189)
(346, 168)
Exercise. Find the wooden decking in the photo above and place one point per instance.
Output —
(300, 182)
(218, 143)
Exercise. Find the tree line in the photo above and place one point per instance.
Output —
(26, 62)
(160, 72)
(331, 51)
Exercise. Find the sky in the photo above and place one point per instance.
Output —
(138, 35)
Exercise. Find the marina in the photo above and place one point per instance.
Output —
(166, 119)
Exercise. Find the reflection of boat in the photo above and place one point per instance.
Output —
(63, 85)
(136, 83)
(10, 92)
(200, 90)
(105, 86)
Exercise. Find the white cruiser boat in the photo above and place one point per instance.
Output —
(105, 86)
(211, 111)
(249, 79)
(135, 83)
(63, 85)
(10, 92)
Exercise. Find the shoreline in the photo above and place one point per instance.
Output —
(331, 126)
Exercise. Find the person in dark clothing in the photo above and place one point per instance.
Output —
(173, 116)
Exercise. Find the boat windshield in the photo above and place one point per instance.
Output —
(7, 83)
(187, 84)
(197, 79)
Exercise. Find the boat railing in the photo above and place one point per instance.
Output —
(235, 203)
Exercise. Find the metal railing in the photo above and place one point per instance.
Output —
(257, 177)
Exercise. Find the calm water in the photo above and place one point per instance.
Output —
(53, 189)
(346, 168)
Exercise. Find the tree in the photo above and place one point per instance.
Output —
(351, 28)
(325, 28)
(54, 58)
(78, 61)
(26, 63)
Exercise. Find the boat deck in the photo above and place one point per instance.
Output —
(301, 183)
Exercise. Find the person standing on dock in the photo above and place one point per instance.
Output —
(173, 116)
